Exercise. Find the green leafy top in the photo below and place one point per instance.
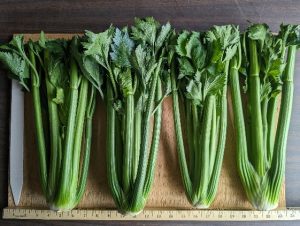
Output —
(222, 43)
(150, 55)
(202, 59)
(192, 52)
(124, 63)
(144, 30)
(98, 45)
(88, 64)
(191, 58)
(149, 32)
(55, 61)
(52, 55)
(290, 34)
(14, 58)
(122, 47)
(258, 32)
(272, 66)
(52, 63)
(271, 56)
(121, 51)
(95, 56)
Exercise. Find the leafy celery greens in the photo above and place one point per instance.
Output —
(64, 103)
(266, 71)
(133, 61)
(134, 69)
(199, 74)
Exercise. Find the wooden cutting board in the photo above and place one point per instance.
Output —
(167, 191)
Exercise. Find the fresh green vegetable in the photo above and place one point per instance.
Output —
(64, 103)
(200, 77)
(138, 67)
(265, 72)
(133, 60)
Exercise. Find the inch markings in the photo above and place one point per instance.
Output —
(150, 215)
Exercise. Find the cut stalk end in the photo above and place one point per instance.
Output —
(264, 205)
(202, 206)
(132, 213)
(61, 208)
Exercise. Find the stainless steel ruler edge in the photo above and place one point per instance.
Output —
(158, 215)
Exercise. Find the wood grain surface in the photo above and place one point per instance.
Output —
(72, 16)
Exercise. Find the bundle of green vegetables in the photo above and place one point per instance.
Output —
(199, 74)
(264, 68)
(63, 103)
(137, 67)
(134, 69)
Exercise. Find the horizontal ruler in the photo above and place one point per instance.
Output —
(160, 215)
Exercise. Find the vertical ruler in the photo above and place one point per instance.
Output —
(159, 215)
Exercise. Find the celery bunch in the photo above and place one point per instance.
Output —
(264, 69)
(133, 62)
(199, 74)
(64, 103)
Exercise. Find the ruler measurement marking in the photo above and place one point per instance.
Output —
(194, 215)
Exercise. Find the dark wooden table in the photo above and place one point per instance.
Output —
(70, 16)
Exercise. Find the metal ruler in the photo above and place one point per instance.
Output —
(158, 215)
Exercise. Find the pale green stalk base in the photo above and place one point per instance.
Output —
(133, 213)
(202, 206)
(262, 202)
(62, 208)
(265, 205)
(129, 213)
